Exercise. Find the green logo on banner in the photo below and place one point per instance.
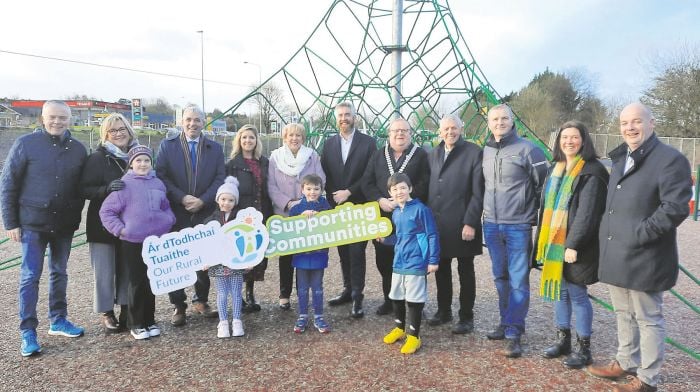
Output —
(343, 225)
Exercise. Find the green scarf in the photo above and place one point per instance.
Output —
(550, 245)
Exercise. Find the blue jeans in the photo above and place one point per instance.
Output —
(310, 279)
(34, 245)
(510, 247)
(573, 296)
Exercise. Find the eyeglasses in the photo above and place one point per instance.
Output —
(118, 130)
(404, 131)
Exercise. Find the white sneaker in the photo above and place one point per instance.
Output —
(237, 326)
(222, 330)
(154, 330)
(140, 333)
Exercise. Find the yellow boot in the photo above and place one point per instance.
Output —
(393, 336)
(411, 346)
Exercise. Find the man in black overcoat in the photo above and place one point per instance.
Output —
(456, 196)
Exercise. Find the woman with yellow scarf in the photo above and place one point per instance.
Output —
(573, 200)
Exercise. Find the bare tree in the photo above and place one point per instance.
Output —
(674, 96)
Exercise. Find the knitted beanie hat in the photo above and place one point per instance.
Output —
(229, 186)
(139, 150)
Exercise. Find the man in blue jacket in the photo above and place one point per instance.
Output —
(192, 168)
(41, 207)
(648, 195)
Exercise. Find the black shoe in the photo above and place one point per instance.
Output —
(357, 311)
(513, 349)
(582, 356)
(123, 315)
(343, 298)
(285, 305)
(385, 308)
(463, 326)
(561, 347)
(440, 318)
(497, 334)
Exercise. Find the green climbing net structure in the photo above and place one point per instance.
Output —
(348, 57)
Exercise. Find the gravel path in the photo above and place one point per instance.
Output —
(352, 357)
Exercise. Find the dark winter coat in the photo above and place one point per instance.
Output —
(347, 175)
(638, 248)
(316, 259)
(39, 186)
(172, 168)
(586, 209)
(377, 174)
(100, 169)
(247, 187)
(456, 197)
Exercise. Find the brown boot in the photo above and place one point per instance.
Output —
(204, 309)
(178, 319)
(634, 385)
(110, 321)
(611, 371)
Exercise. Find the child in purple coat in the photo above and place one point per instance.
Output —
(139, 210)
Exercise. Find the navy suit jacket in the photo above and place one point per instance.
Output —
(347, 175)
(171, 169)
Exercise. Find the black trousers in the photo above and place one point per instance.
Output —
(286, 276)
(142, 302)
(467, 286)
(353, 264)
(385, 264)
(201, 292)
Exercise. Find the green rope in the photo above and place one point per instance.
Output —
(685, 271)
(685, 301)
(4, 267)
(4, 240)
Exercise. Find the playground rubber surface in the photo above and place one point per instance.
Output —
(351, 358)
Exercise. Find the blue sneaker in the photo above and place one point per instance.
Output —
(29, 344)
(63, 327)
(300, 325)
(321, 324)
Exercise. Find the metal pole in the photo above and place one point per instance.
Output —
(397, 19)
(201, 36)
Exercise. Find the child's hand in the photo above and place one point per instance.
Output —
(309, 213)
(432, 268)
(206, 267)
(380, 240)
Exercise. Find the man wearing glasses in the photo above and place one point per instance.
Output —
(399, 155)
(41, 206)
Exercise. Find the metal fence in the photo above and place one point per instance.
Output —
(690, 147)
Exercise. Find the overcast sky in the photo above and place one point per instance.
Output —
(610, 41)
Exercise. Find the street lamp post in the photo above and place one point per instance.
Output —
(259, 87)
(201, 36)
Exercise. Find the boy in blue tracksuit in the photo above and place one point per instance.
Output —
(310, 265)
(416, 254)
